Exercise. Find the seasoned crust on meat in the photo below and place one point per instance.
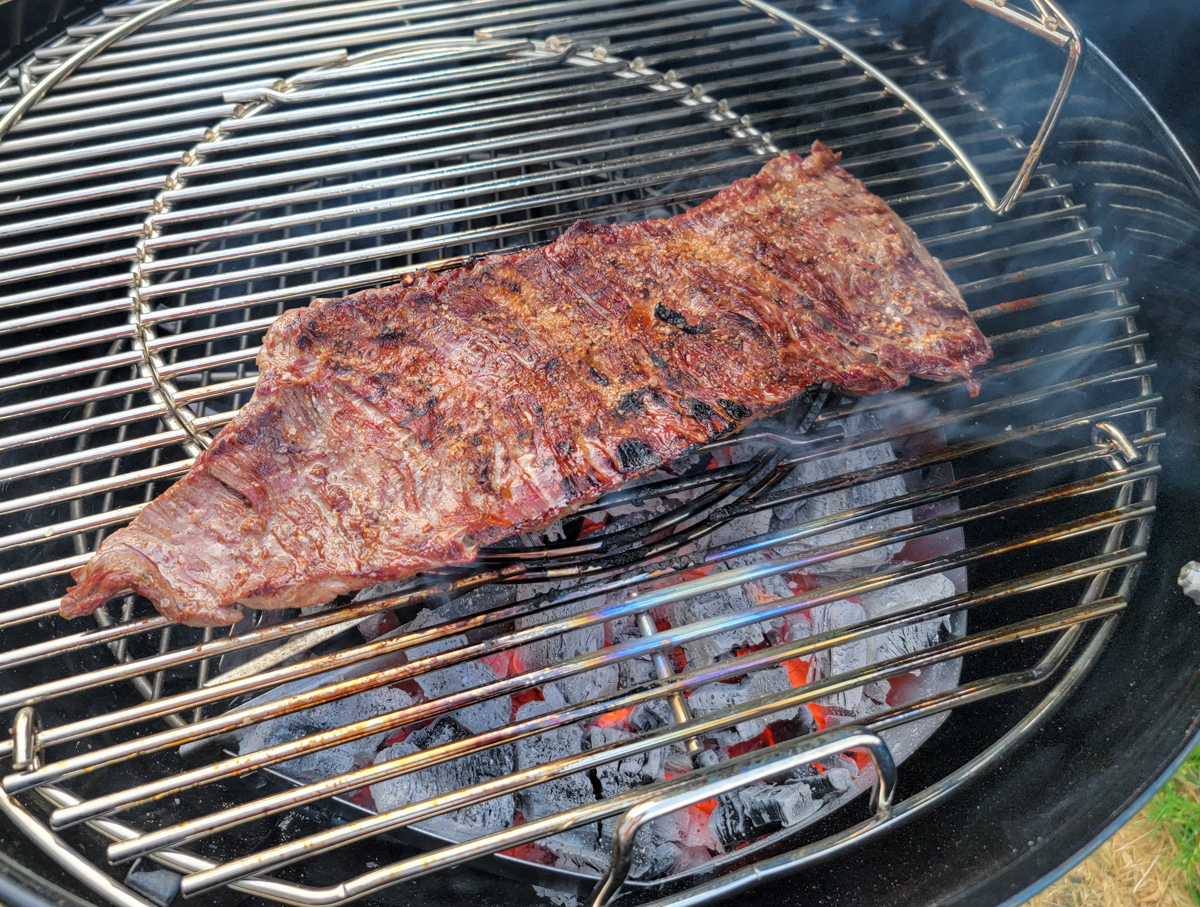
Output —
(399, 429)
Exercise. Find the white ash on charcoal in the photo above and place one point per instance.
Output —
(479, 717)
(690, 837)
(328, 762)
(711, 648)
(624, 775)
(841, 659)
(713, 697)
(914, 637)
(470, 821)
(562, 742)
(762, 808)
(665, 846)
(553, 650)
(555, 897)
(836, 464)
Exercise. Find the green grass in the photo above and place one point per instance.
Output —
(1176, 810)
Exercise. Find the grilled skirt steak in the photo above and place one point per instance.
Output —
(399, 429)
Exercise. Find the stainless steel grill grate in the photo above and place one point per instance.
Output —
(164, 201)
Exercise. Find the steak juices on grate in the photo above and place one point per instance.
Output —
(399, 429)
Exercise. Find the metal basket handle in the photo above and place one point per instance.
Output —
(1049, 22)
(726, 777)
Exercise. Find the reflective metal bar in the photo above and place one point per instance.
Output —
(384, 250)
(62, 401)
(84, 313)
(80, 426)
(717, 780)
(97, 454)
(58, 567)
(39, 377)
(96, 486)
(414, 222)
(78, 57)
(58, 243)
(223, 79)
(58, 530)
(14, 616)
(448, 133)
(460, 111)
(321, 35)
(644, 601)
(226, 819)
(375, 880)
(107, 213)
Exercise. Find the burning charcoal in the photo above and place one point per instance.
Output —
(739, 598)
(829, 782)
(328, 762)
(656, 849)
(590, 685)
(479, 717)
(754, 810)
(633, 671)
(625, 774)
(839, 660)
(624, 628)
(912, 638)
(653, 859)
(737, 531)
(557, 649)
(646, 716)
(566, 740)
(877, 692)
(469, 822)
(708, 649)
(858, 496)
(578, 850)
(713, 697)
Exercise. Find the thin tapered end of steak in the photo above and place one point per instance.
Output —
(399, 429)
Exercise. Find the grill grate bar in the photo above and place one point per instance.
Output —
(487, 188)
(105, 214)
(294, 894)
(320, 193)
(226, 304)
(378, 28)
(54, 772)
(898, 467)
(448, 122)
(284, 854)
(742, 664)
(45, 376)
(225, 79)
(98, 454)
(82, 490)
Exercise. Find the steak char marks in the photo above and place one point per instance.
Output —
(399, 429)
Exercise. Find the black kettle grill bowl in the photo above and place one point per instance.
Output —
(1112, 741)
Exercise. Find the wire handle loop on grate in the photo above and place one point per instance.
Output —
(36, 91)
(25, 727)
(1050, 23)
(1126, 453)
(727, 777)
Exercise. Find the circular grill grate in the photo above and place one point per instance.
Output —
(230, 160)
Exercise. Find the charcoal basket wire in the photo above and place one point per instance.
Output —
(173, 176)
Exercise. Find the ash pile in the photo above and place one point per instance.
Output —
(693, 837)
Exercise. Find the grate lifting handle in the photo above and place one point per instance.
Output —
(726, 777)
(1046, 20)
